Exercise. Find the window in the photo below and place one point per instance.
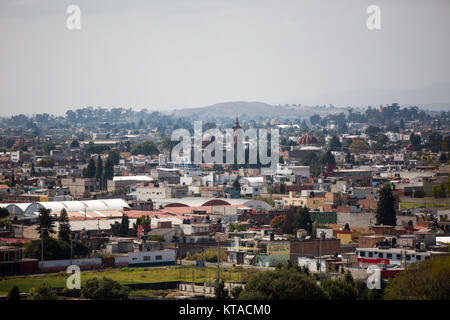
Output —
(158, 257)
(408, 257)
(389, 255)
(146, 258)
(380, 254)
(399, 256)
(134, 259)
(418, 258)
(370, 254)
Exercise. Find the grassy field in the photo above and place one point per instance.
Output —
(128, 276)
(410, 205)
(151, 293)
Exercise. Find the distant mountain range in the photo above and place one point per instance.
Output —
(252, 110)
(433, 97)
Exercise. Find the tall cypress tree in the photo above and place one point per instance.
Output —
(109, 169)
(64, 226)
(45, 224)
(124, 226)
(302, 219)
(99, 168)
(90, 170)
(32, 171)
(385, 213)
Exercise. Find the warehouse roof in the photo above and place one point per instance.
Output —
(88, 206)
(200, 202)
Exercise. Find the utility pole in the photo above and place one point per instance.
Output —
(218, 261)
(320, 254)
(322, 234)
(71, 245)
(42, 248)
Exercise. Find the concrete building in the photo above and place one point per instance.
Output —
(80, 186)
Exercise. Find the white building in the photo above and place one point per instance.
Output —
(151, 258)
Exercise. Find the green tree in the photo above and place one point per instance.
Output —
(339, 290)
(4, 212)
(414, 139)
(385, 212)
(104, 289)
(439, 191)
(114, 155)
(47, 146)
(445, 144)
(382, 139)
(124, 226)
(145, 148)
(64, 226)
(90, 170)
(109, 169)
(328, 159)
(315, 119)
(426, 280)
(42, 292)
(14, 294)
(358, 146)
(54, 249)
(75, 144)
(235, 292)
(115, 228)
(220, 292)
(45, 223)
(99, 168)
(282, 284)
(335, 144)
(372, 131)
(282, 188)
(32, 170)
(302, 220)
(237, 185)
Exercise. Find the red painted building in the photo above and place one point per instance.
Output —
(12, 262)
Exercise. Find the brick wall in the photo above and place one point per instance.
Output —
(308, 248)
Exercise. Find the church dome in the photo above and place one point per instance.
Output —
(307, 139)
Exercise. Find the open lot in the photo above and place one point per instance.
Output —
(410, 205)
(129, 276)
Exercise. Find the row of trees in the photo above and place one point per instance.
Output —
(100, 172)
(292, 282)
(426, 280)
(54, 248)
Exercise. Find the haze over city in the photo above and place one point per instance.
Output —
(165, 55)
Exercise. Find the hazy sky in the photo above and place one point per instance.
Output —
(165, 54)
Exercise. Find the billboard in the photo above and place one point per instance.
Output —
(278, 248)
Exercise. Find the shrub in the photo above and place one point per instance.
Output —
(14, 294)
(104, 289)
(43, 292)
